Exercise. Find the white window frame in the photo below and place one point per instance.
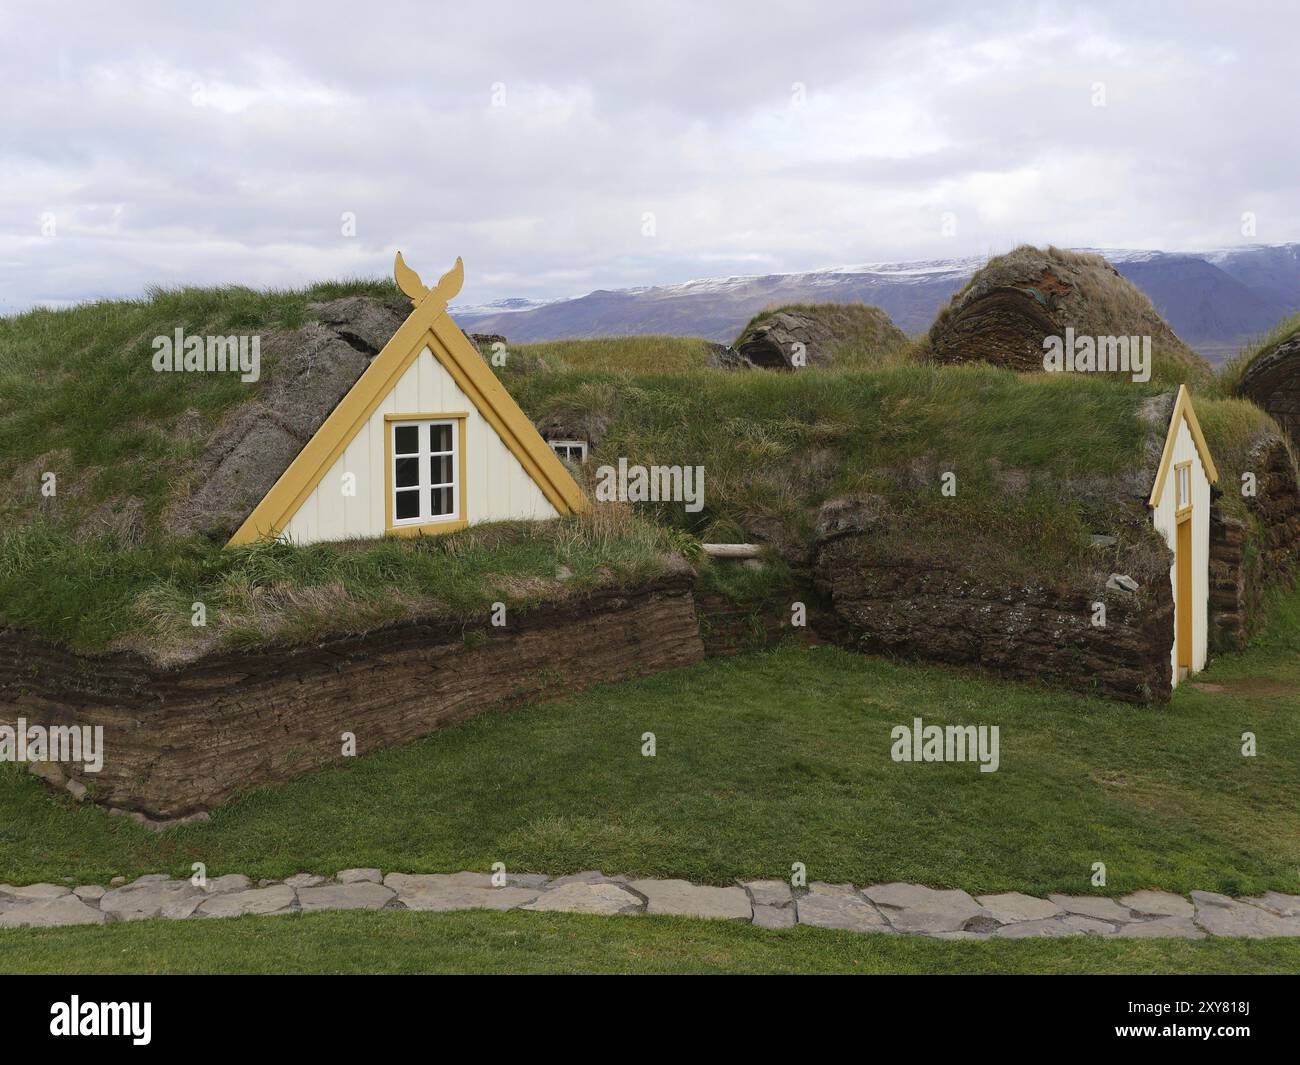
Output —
(569, 445)
(425, 485)
(1182, 487)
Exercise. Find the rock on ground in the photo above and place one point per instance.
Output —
(255, 900)
(769, 892)
(1012, 907)
(146, 897)
(51, 912)
(1096, 906)
(1223, 916)
(838, 906)
(684, 899)
(577, 896)
(362, 895)
(440, 892)
(1161, 903)
(914, 908)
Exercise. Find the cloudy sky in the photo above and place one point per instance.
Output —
(564, 147)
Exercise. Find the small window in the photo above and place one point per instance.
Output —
(425, 472)
(1184, 486)
(574, 451)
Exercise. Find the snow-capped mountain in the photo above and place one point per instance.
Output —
(1215, 300)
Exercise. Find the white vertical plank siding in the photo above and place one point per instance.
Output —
(1164, 519)
(497, 486)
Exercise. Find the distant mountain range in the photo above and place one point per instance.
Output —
(1215, 300)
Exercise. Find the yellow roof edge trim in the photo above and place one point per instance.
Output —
(1182, 409)
(511, 423)
(428, 319)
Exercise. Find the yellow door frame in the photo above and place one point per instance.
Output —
(1183, 569)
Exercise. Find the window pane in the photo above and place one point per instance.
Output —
(440, 437)
(440, 469)
(408, 505)
(407, 474)
(406, 440)
(440, 501)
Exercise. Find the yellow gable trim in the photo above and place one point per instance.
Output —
(427, 322)
(1182, 410)
(519, 434)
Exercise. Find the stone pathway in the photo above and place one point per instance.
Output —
(906, 909)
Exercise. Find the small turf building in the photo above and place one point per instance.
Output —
(427, 441)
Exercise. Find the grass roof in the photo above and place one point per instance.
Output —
(1234, 370)
(1003, 312)
(1041, 461)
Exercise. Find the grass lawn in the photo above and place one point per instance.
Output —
(762, 761)
(484, 942)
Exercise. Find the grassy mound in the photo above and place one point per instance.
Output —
(1041, 460)
(635, 354)
(1006, 310)
(97, 596)
(833, 334)
(79, 398)
(1235, 369)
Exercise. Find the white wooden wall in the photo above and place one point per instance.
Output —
(498, 488)
(1163, 516)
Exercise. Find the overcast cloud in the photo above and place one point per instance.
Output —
(202, 144)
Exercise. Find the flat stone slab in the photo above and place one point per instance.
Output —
(774, 916)
(51, 912)
(915, 908)
(1103, 909)
(1161, 928)
(146, 897)
(363, 895)
(1276, 903)
(412, 882)
(769, 892)
(182, 908)
(579, 897)
(1071, 924)
(683, 899)
(219, 885)
(1012, 907)
(528, 880)
(1162, 903)
(1223, 916)
(255, 900)
(772, 904)
(36, 891)
(588, 876)
(824, 908)
(443, 892)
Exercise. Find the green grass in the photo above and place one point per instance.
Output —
(631, 354)
(864, 336)
(94, 596)
(765, 760)
(1040, 460)
(1230, 374)
(80, 394)
(485, 942)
